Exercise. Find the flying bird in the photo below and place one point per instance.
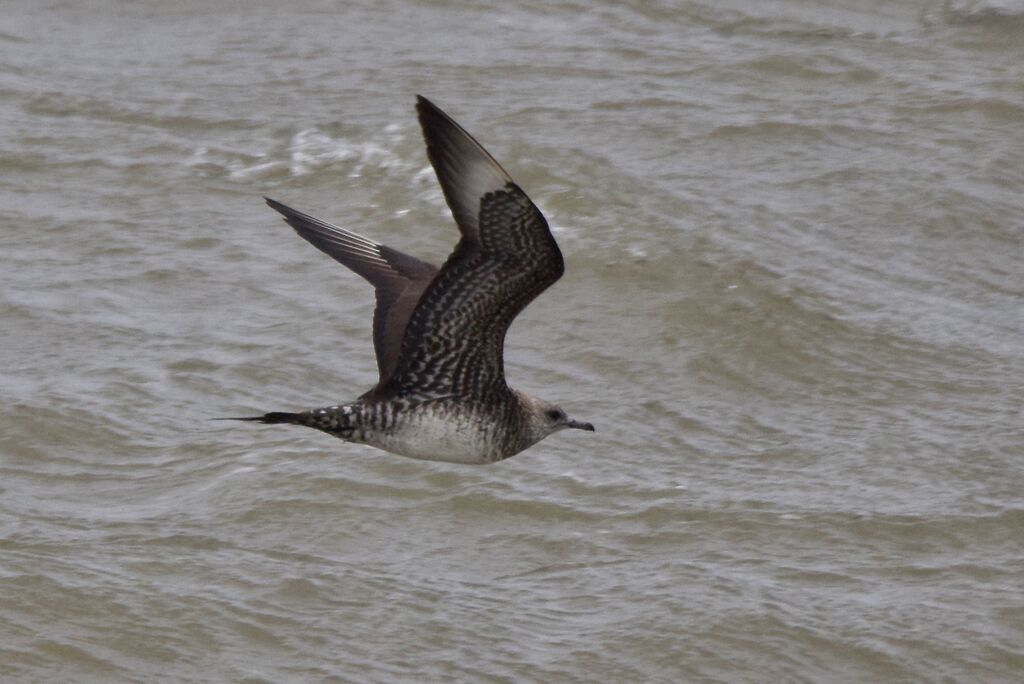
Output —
(439, 333)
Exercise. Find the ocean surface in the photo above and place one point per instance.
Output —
(793, 309)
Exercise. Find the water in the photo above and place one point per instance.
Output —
(793, 309)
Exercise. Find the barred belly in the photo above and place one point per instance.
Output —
(435, 432)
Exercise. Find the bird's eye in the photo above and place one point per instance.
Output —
(555, 414)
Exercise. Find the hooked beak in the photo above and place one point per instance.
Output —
(580, 425)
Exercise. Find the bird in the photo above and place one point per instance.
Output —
(439, 333)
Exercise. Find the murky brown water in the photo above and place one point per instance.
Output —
(793, 308)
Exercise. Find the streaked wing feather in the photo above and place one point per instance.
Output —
(398, 279)
(454, 341)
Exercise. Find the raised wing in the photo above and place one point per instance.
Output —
(399, 279)
(464, 168)
(454, 340)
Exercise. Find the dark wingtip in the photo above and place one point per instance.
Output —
(289, 215)
(426, 108)
(277, 206)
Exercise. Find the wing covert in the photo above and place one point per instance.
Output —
(454, 341)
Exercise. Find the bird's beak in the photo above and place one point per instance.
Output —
(580, 425)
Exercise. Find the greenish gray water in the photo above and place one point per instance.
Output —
(793, 309)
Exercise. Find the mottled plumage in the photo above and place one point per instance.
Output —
(439, 334)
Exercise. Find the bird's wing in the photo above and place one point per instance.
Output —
(454, 340)
(399, 279)
(464, 168)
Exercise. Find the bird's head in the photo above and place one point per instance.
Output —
(546, 418)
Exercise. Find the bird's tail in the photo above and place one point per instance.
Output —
(273, 418)
(340, 421)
